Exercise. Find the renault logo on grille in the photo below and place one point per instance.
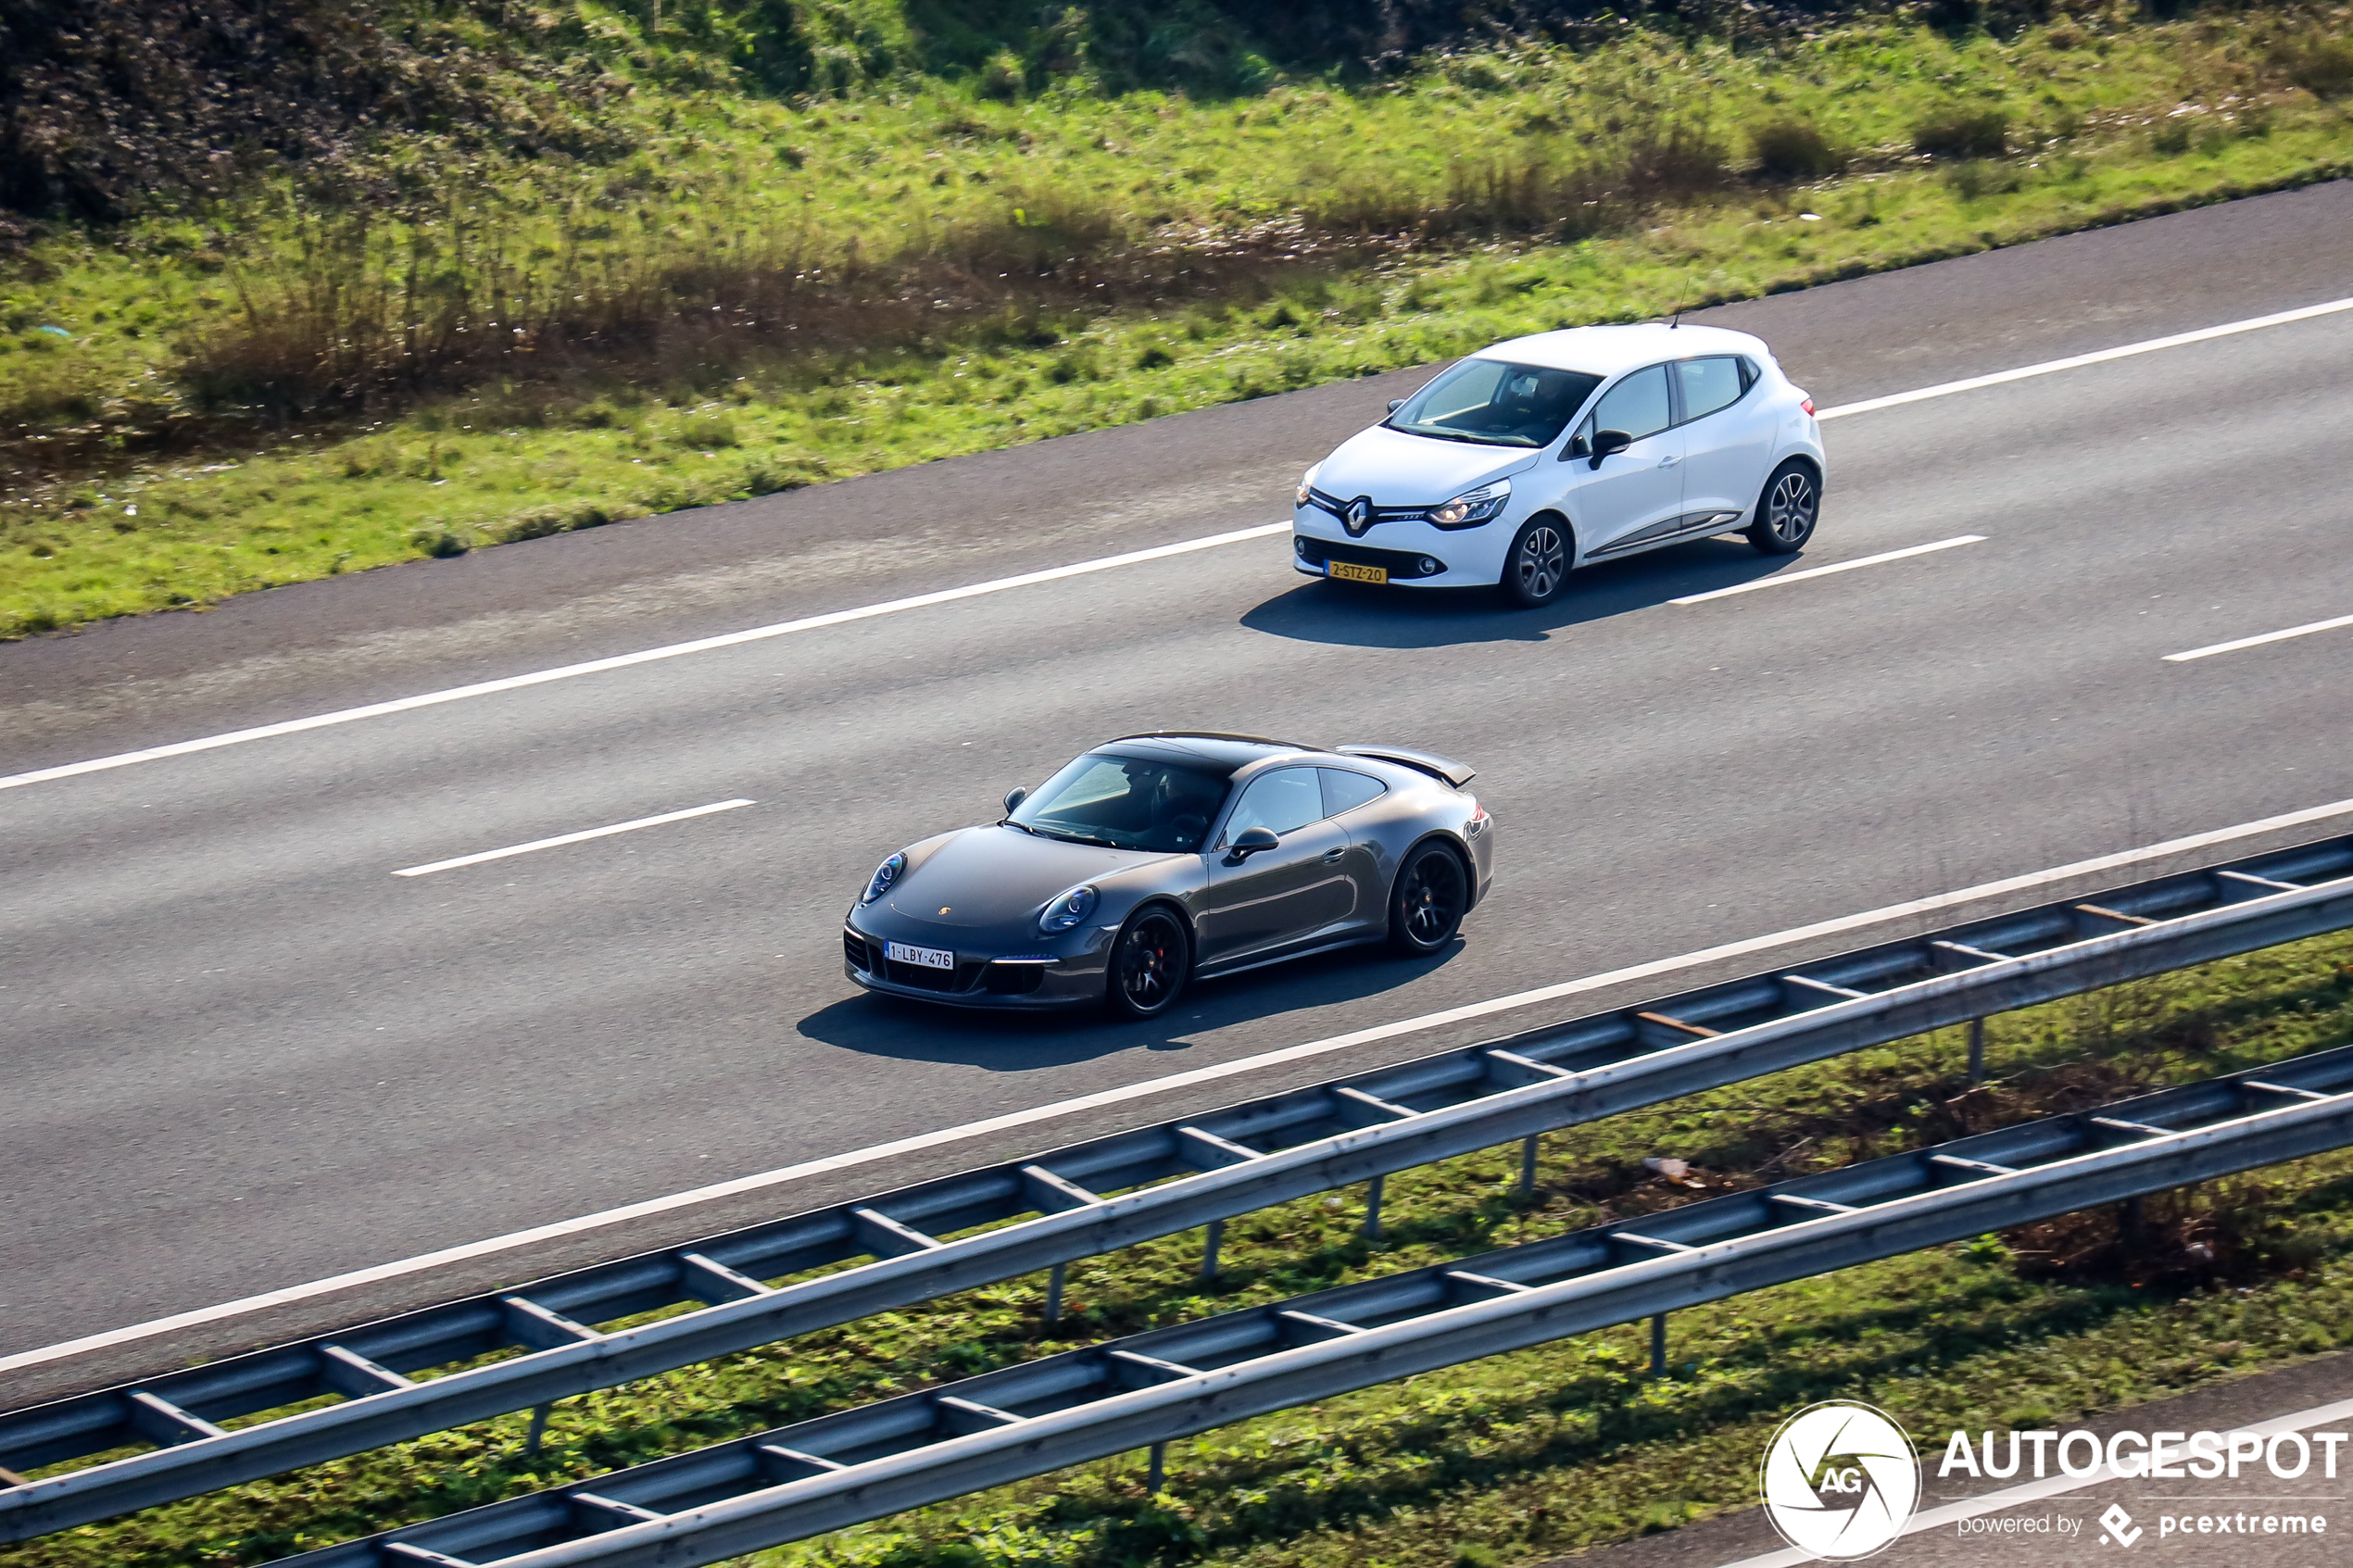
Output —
(1358, 517)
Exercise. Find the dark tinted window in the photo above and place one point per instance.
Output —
(1637, 405)
(1496, 404)
(1709, 384)
(1284, 800)
(1125, 802)
(1344, 790)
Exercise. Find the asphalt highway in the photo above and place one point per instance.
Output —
(239, 1053)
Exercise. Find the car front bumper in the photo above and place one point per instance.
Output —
(1466, 556)
(1033, 980)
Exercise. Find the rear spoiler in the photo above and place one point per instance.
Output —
(1430, 762)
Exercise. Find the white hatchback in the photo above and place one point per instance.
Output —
(1535, 456)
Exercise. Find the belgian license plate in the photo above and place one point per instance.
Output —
(1354, 574)
(921, 957)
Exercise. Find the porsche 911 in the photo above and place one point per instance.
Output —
(1156, 859)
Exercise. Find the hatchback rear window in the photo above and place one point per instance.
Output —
(1710, 384)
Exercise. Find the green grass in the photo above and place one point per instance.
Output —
(185, 329)
(1550, 1449)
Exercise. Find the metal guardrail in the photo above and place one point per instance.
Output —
(859, 1464)
(1229, 1163)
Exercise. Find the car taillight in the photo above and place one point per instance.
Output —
(1807, 403)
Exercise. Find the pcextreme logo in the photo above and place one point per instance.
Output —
(1840, 1480)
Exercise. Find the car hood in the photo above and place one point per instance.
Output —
(998, 875)
(1397, 470)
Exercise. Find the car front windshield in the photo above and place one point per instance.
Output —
(1125, 803)
(1496, 404)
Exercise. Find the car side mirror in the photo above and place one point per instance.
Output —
(1608, 441)
(1013, 798)
(1250, 841)
(1395, 404)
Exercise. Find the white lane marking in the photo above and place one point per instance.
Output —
(1827, 570)
(2055, 1485)
(2052, 367)
(1126, 1093)
(2303, 631)
(569, 838)
(1105, 563)
(648, 656)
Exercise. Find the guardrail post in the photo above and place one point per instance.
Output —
(1160, 1468)
(1209, 1246)
(1054, 1293)
(1977, 1050)
(1528, 1166)
(539, 1415)
(1658, 1345)
(1372, 1207)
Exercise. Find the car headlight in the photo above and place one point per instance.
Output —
(1067, 910)
(885, 877)
(1473, 506)
(1306, 486)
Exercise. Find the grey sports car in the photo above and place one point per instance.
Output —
(1158, 857)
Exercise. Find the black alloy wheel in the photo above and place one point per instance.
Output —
(1537, 563)
(1785, 512)
(1433, 894)
(1149, 963)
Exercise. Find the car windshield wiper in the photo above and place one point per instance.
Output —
(1073, 838)
(1459, 435)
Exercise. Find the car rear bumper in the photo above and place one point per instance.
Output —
(1482, 849)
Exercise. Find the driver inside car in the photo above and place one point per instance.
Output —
(1181, 810)
(1535, 404)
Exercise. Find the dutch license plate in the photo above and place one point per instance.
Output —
(921, 957)
(1354, 574)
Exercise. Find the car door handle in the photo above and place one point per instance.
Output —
(1669, 461)
(1333, 856)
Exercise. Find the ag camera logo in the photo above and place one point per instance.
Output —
(1840, 1480)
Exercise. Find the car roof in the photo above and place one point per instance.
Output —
(1221, 753)
(1606, 351)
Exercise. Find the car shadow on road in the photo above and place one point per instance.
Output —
(1391, 617)
(1015, 1042)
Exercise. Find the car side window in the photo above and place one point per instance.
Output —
(1709, 384)
(1284, 800)
(1344, 790)
(1637, 405)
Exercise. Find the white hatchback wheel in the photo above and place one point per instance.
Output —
(1538, 563)
(1787, 511)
